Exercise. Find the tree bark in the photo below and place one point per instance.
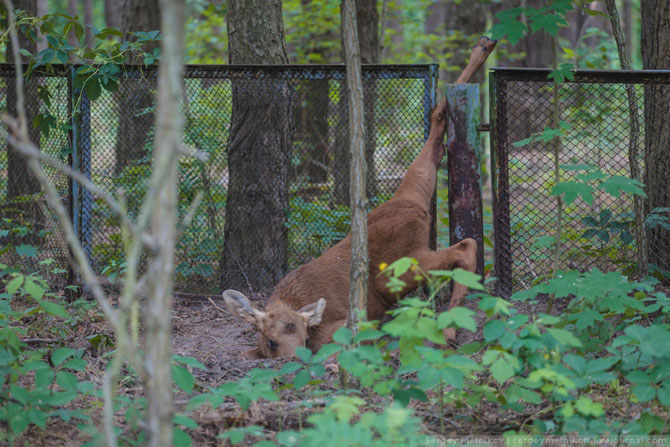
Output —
(359, 227)
(169, 133)
(311, 117)
(135, 96)
(255, 247)
(464, 26)
(88, 20)
(656, 56)
(113, 13)
(633, 150)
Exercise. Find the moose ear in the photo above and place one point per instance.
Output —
(239, 305)
(312, 313)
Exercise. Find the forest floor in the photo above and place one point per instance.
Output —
(219, 340)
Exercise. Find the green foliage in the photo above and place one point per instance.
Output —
(395, 426)
(320, 224)
(55, 382)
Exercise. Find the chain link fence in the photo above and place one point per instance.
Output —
(598, 227)
(110, 139)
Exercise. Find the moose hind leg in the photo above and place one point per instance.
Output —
(462, 254)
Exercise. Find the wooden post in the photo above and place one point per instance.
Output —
(464, 167)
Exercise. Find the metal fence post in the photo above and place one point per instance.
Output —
(502, 250)
(80, 159)
(429, 103)
(464, 167)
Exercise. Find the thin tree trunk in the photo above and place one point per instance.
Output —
(633, 142)
(359, 227)
(169, 126)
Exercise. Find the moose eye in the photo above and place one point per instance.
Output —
(289, 328)
(272, 344)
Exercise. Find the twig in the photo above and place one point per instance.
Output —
(37, 341)
(217, 307)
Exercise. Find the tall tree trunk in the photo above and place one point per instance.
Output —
(135, 95)
(358, 284)
(656, 56)
(88, 20)
(113, 13)
(464, 26)
(158, 306)
(42, 9)
(20, 181)
(72, 10)
(311, 117)
(367, 26)
(259, 148)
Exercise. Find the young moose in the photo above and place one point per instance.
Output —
(311, 303)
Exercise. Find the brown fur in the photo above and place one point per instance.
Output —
(397, 228)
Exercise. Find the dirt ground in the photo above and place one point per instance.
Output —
(218, 340)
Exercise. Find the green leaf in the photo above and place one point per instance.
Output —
(85, 387)
(301, 379)
(54, 309)
(26, 250)
(468, 279)
(14, 284)
(368, 334)
(303, 353)
(587, 407)
(67, 380)
(644, 393)
(664, 395)
(184, 421)
(183, 378)
(33, 289)
(565, 337)
(618, 183)
(493, 330)
(457, 317)
(512, 29)
(181, 438)
(58, 399)
(75, 364)
(19, 422)
(502, 370)
(60, 355)
(343, 336)
(290, 368)
(92, 88)
(44, 378)
(189, 361)
(571, 190)
(326, 351)
(37, 417)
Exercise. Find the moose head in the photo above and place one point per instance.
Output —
(281, 329)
